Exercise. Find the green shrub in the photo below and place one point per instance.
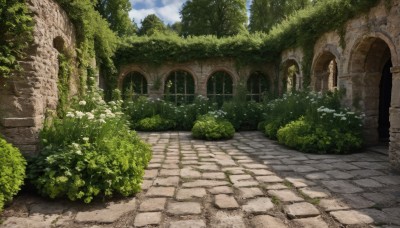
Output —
(332, 132)
(90, 152)
(211, 127)
(155, 123)
(243, 115)
(12, 172)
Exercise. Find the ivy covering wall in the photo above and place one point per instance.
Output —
(16, 27)
(299, 30)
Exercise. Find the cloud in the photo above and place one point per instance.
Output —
(166, 10)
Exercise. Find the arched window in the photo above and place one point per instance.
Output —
(325, 74)
(179, 87)
(134, 84)
(291, 76)
(257, 86)
(220, 87)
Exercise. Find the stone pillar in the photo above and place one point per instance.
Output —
(394, 149)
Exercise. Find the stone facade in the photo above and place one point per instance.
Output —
(200, 71)
(29, 95)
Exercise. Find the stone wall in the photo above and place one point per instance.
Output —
(200, 70)
(29, 95)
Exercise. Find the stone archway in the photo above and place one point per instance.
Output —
(291, 76)
(134, 84)
(325, 72)
(370, 65)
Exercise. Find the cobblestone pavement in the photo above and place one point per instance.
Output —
(248, 181)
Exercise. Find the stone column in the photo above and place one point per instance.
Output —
(394, 149)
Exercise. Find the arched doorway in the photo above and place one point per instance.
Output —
(291, 80)
(179, 87)
(220, 87)
(134, 84)
(325, 72)
(372, 86)
(257, 86)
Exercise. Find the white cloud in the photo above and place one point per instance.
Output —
(167, 10)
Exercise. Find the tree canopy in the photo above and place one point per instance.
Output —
(151, 25)
(116, 12)
(214, 17)
(264, 14)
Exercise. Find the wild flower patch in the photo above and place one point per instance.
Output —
(89, 152)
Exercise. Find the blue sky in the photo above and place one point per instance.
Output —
(167, 10)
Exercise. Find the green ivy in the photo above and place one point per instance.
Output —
(16, 26)
(302, 29)
(64, 75)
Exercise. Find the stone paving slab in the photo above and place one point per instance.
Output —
(249, 181)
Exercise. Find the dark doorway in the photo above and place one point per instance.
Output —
(385, 98)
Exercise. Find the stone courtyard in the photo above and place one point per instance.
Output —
(249, 181)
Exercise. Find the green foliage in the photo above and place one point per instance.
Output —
(151, 25)
(116, 12)
(332, 131)
(301, 29)
(89, 152)
(64, 74)
(183, 116)
(213, 17)
(264, 14)
(94, 36)
(155, 123)
(12, 170)
(212, 127)
(243, 115)
(292, 106)
(16, 26)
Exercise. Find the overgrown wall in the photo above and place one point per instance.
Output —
(30, 95)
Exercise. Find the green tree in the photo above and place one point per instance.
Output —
(151, 25)
(176, 27)
(264, 14)
(116, 12)
(214, 17)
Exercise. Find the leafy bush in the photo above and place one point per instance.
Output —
(243, 115)
(12, 172)
(292, 106)
(212, 127)
(332, 131)
(88, 153)
(183, 116)
(155, 123)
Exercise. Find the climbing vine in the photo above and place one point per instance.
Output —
(299, 30)
(64, 75)
(16, 26)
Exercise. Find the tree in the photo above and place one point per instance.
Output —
(214, 17)
(176, 27)
(116, 12)
(151, 24)
(264, 14)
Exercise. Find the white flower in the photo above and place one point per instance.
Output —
(79, 114)
(85, 139)
(90, 115)
(78, 152)
(102, 116)
(70, 114)
(344, 118)
(83, 103)
(102, 121)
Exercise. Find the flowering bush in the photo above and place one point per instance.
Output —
(324, 130)
(213, 126)
(292, 106)
(89, 152)
(12, 172)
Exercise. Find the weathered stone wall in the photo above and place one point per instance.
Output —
(30, 94)
(369, 42)
(200, 70)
